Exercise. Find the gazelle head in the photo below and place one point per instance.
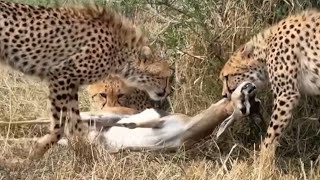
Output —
(244, 103)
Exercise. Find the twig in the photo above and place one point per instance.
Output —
(160, 16)
(161, 31)
(19, 139)
(303, 169)
(101, 120)
(194, 56)
(227, 158)
(167, 20)
(171, 104)
(17, 123)
(174, 8)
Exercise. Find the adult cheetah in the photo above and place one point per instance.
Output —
(112, 93)
(285, 55)
(70, 47)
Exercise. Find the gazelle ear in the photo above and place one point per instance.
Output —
(247, 50)
(225, 124)
(145, 53)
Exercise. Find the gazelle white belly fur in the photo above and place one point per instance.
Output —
(117, 138)
(168, 136)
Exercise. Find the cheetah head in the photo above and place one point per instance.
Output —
(110, 92)
(150, 74)
(246, 64)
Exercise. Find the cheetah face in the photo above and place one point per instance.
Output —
(151, 74)
(111, 92)
(231, 82)
(157, 87)
(243, 66)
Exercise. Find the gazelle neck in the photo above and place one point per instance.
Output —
(203, 124)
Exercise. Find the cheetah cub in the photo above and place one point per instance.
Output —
(70, 47)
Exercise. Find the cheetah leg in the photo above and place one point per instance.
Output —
(282, 114)
(284, 84)
(77, 125)
(285, 102)
(59, 99)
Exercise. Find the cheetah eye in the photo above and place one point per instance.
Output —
(104, 95)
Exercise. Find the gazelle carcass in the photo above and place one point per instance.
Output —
(154, 129)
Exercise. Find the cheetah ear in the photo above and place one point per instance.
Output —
(145, 53)
(247, 50)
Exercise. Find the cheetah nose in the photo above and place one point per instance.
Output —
(224, 96)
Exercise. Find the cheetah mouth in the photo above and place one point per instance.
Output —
(227, 95)
(157, 103)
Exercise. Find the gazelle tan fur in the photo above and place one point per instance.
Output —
(154, 130)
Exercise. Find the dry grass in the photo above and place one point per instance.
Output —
(197, 57)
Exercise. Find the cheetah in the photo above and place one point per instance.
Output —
(285, 57)
(69, 47)
(112, 92)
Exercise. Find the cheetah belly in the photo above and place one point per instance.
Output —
(309, 80)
